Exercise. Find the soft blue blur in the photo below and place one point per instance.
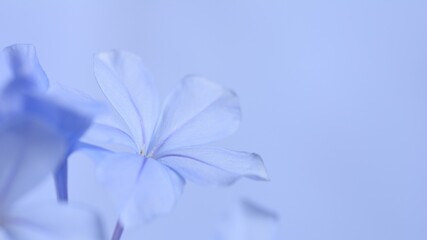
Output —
(334, 97)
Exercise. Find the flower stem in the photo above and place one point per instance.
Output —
(61, 181)
(118, 231)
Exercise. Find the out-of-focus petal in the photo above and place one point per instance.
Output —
(248, 221)
(53, 222)
(72, 125)
(4, 235)
(128, 87)
(215, 166)
(30, 150)
(25, 66)
(141, 188)
(37, 137)
(197, 112)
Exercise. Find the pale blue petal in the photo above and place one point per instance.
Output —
(71, 99)
(197, 112)
(118, 172)
(111, 118)
(128, 87)
(72, 125)
(4, 235)
(110, 137)
(75, 99)
(141, 188)
(110, 132)
(94, 152)
(36, 124)
(31, 149)
(156, 193)
(248, 221)
(214, 166)
(24, 66)
(53, 222)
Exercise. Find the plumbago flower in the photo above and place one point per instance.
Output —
(22, 67)
(162, 148)
(35, 135)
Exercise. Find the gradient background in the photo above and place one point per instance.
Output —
(334, 96)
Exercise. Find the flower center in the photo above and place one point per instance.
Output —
(142, 153)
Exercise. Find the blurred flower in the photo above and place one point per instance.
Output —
(249, 221)
(35, 135)
(160, 149)
(20, 65)
(26, 80)
(22, 73)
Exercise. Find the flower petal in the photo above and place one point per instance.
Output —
(4, 235)
(105, 130)
(118, 172)
(25, 66)
(109, 137)
(141, 188)
(30, 150)
(156, 193)
(128, 87)
(214, 166)
(72, 125)
(53, 222)
(75, 99)
(95, 153)
(197, 112)
(35, 138)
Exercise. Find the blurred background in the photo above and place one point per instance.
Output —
(333, 96)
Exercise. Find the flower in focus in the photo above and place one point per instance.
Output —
(157, 149)
(249, 221)
(35, 135)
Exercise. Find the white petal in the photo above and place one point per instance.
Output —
(53, 222)
(216, 166)
(127, 85)
(197, 112)
(30, 150)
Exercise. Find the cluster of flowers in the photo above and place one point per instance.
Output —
(144, 151)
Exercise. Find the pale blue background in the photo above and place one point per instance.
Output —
(334, 97)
